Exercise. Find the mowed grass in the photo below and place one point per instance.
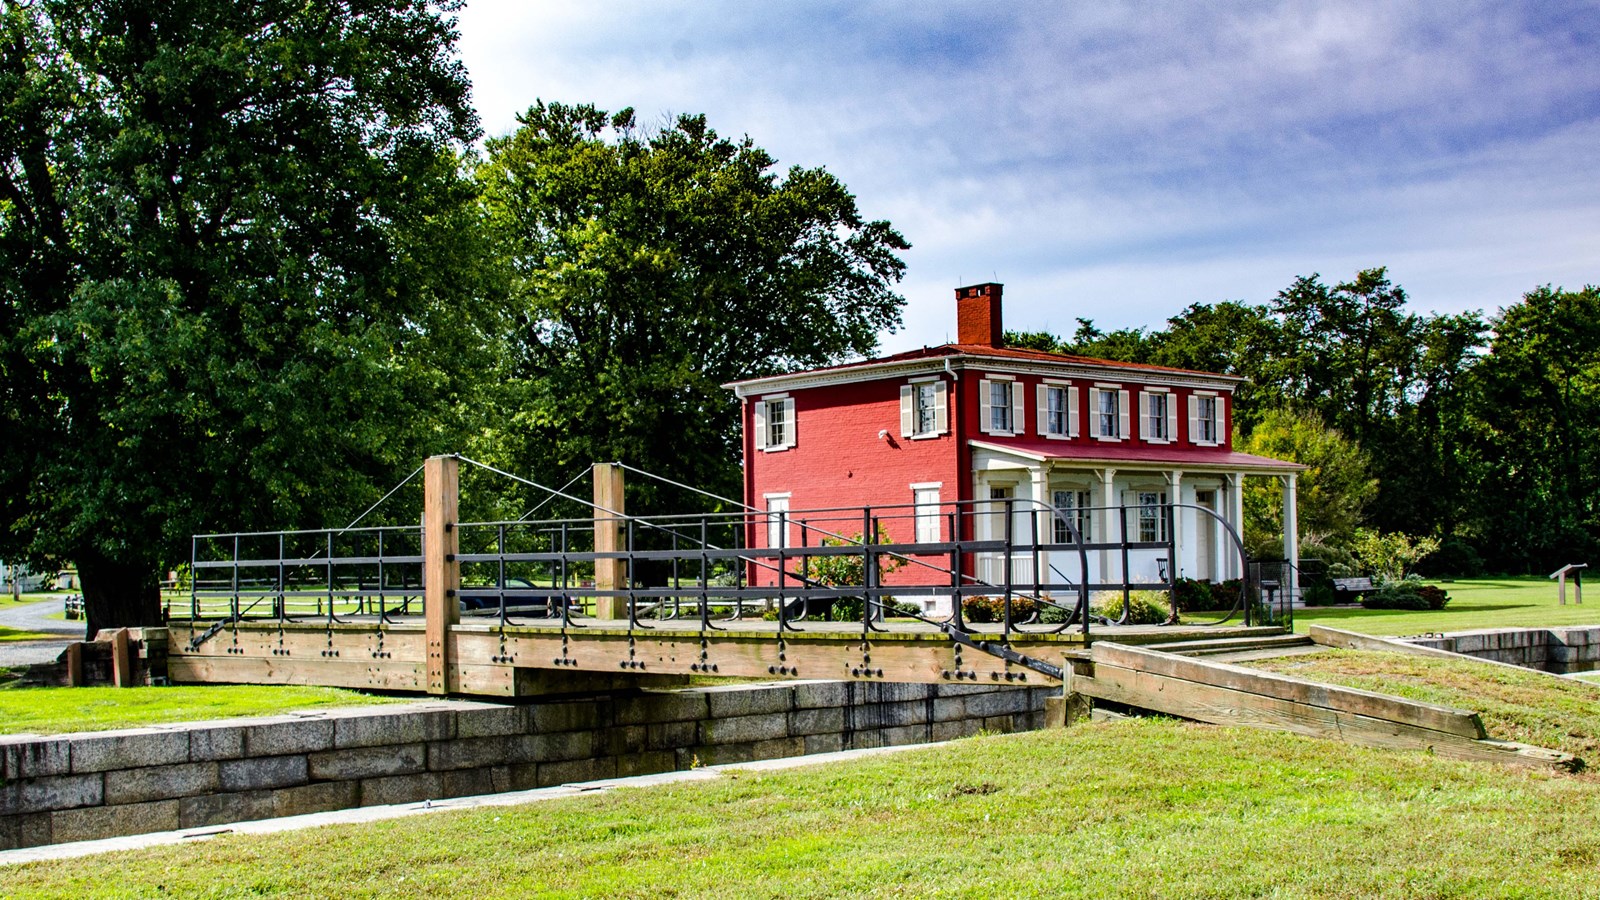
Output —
(1520, 602)
(1515, 705)
(48, 710)
(1141, 808)
(17, 634)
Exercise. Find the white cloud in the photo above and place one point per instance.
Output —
(1121, 161)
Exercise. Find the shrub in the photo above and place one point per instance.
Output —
(980, 610)
(1145, 608)
(847, 609)
(1396, 595)
(1437, 597)
(1225, 595)
(1390, 554)
(1055, 615)
(1193, 595)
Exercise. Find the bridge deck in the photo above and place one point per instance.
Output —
(487, 659)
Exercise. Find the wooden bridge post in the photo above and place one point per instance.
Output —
(441, 572)
(609, 574)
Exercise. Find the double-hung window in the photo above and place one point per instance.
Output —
(1206, 419)
(1070, 506)
(1152, 516)
(923, 409)
(1158, 417)
(1058, 410)
(775, 423)
(1111, 414)
(999, 406)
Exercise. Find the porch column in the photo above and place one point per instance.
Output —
(1175, 495)
(1043, 521)
(1291, 533)
(1112, 529)
(1235, 516)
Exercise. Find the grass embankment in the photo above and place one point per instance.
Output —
(1530, 707)
(1520, 602)
(1135, 808)
(36, 710)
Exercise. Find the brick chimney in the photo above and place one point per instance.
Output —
(978, 315)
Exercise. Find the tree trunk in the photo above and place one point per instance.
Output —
(118, 593)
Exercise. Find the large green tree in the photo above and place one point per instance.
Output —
(231, 270)
(650, 266)
(1537, 411)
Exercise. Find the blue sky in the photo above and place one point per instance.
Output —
(1119, 162)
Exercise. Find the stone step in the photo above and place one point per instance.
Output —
(1231, 645)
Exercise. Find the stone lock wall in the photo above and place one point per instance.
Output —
(1559, 650)
(87, 786)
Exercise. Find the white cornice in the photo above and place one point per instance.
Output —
(1185, 463)
(870, 371)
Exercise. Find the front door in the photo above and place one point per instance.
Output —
(1205, 537)
(991, 565)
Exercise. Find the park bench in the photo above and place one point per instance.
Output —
(1344, 587)
(72, 607)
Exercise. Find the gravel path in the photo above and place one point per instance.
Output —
(35, 617)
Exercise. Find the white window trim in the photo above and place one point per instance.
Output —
(1042, 413)
(908, 408)
(760, 422)
(1124, 415)
(1218, 418)
(986, 406)
(1146, 401)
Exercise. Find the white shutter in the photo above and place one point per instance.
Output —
(1123, 431)
(1018, 424)
(1072, 411)
(941, 408)
(1222, 422)
(791, 433)
(908, 425)
(761, 424)
(985, 415)
(1144, 415)
(1172, 419)
(1194, 419)
(1041, 404)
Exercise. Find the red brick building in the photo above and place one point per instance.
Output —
(942, 437)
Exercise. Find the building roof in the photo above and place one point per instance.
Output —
(982, 352)
(1114, 454)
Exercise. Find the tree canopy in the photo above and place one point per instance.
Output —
(647, 267)
(228, 237)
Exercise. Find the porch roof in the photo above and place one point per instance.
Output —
(1143, 456)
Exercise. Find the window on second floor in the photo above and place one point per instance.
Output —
(999, 406)
(775, 423)
(1110, 414)
(923, 409)
(1058, 410)
(1206, 419)
(1158, 416)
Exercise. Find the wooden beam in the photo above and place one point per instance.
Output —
(1295, 690)
(1223, 706)
(441, 572)
(121, 659)
(609, 574)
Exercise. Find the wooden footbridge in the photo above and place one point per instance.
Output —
(516, 607)
(568, 605)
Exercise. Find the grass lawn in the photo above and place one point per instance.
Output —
(5, 597)
(37, 710)
(1526, 706)
(1519, 602)
(15, 634)
(1145, 808)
